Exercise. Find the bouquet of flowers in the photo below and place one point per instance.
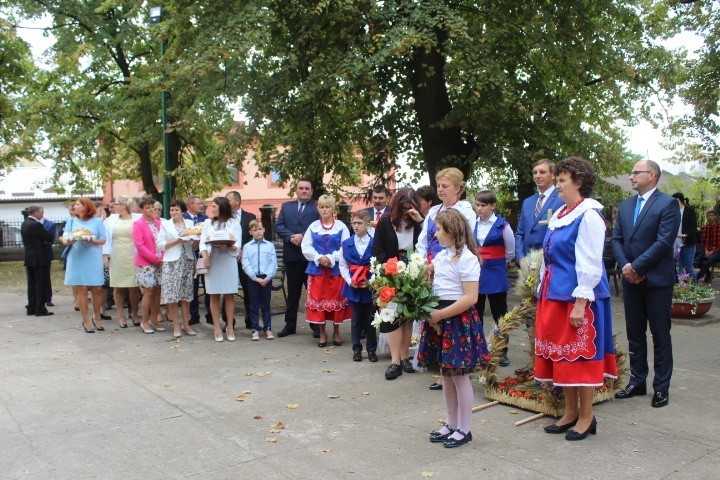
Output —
(401, 291)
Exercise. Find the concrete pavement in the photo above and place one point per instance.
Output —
(122, 404)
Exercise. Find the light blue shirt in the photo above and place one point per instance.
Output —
(258, 258)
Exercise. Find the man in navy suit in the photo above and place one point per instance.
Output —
(536, 209)
(49, 255)
(244, 218)
(380, 199)
(35, 238)
(292, 223)
(195, 213)
(645, 230)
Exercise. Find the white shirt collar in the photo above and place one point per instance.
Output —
(647, 194)
(547, 192)
(489, 221)
(587, 204)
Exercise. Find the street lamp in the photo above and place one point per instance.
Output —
(156, 16)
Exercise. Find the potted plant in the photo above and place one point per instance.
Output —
(690, 300)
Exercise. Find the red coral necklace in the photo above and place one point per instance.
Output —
(332, 225)
(568, 210)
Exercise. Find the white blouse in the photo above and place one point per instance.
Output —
(308, 249)
(462, 206)
(450, 273)
(232, 226)
(588, 246)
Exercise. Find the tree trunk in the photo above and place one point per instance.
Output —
(146, 173)
(442, 147)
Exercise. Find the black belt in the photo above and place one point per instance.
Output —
(445, 303)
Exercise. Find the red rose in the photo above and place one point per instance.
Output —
(391, 266)
(386, 294)
(446, 345)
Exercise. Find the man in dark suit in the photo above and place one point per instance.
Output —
(244, 218)
(49, 255)
(35, 238)
(536, 210)
(380, 199)
(195, 213)
(292, 223)
(645, 230)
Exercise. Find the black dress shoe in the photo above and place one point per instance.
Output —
(523, 370)
(393, 371)
(105, 317)
(286, 331)
(660, 399)
(194, 320)
(573, 435)
(435, 386)
(49, 304)
(322, 344)
(631, 391)
(452, 443)
(555, 428)
(30, 312)
(372, 357)
(504, 362)
(44, 314)
(357, 356)
(407, 366)
(437, 437)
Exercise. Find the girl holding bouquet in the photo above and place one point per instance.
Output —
(462, 343)
(321, 247)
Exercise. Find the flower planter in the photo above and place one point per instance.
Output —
(691, 309)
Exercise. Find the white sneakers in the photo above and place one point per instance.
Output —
(269, 335)
(256, 335)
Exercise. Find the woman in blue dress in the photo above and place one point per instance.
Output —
(86, 234)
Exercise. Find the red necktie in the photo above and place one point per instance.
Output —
(378, 214)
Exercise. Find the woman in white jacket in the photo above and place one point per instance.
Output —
(178, 268)
(119, 255)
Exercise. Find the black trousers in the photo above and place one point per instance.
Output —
(498, 305)
(36, 280)
(647, 305)
(295, 277)
(362, 314)
(244, 283)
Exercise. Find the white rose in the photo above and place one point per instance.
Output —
(413, 270)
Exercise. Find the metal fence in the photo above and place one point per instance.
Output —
(10, 232)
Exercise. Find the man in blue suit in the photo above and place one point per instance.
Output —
(292, 223)
(536, 210)
(645, 230)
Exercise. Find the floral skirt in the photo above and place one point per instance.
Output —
(325, 302)
(177, 281)
(148, 276)
(460, 349)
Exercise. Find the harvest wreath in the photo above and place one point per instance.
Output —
(523, 391)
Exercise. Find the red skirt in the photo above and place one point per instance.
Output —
(569, 356)
(325, 302)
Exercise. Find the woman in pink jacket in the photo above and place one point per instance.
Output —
(148, 262)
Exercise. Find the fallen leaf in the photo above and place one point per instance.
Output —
(427, 474)
(441, 420)
(327, 371)
(240, 398)
(263, 374)
(247, 392)
(513, 412)
(167, 384)
(271, 440)
(248, 374)
(274, 431)
(327, 450)
(175, 346)
(258, 417)
(366, 393)
(333, 396)
(279, 425)
(292, 405)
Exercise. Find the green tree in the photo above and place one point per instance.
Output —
(100, 102)
(481, 85)
(17, 71)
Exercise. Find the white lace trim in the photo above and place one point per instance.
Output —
(587, 204)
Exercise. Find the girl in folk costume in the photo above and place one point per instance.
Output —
(321, 247)
(462, 346)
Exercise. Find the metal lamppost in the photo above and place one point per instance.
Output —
(156, 16)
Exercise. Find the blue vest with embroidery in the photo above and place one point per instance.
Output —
(559, 255)
(433, 245)
(493, 269)
(325, 245)
(352, 257)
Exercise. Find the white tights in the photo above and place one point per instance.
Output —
(459, 400)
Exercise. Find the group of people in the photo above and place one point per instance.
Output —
(467, 247)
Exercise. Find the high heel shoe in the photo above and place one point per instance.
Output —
(219, 337)
(555, 428)
(123, 325)
(105, 317)
(188, 331)
(177, 333)
(135, 324)
(99, 328)
(156, 328)
(147, 330)
(575, 435)
(230, 335)
(87, 330)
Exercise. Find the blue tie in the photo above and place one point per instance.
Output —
(638, 207)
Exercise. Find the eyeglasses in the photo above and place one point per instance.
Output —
(357, 223)
(635, 173)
